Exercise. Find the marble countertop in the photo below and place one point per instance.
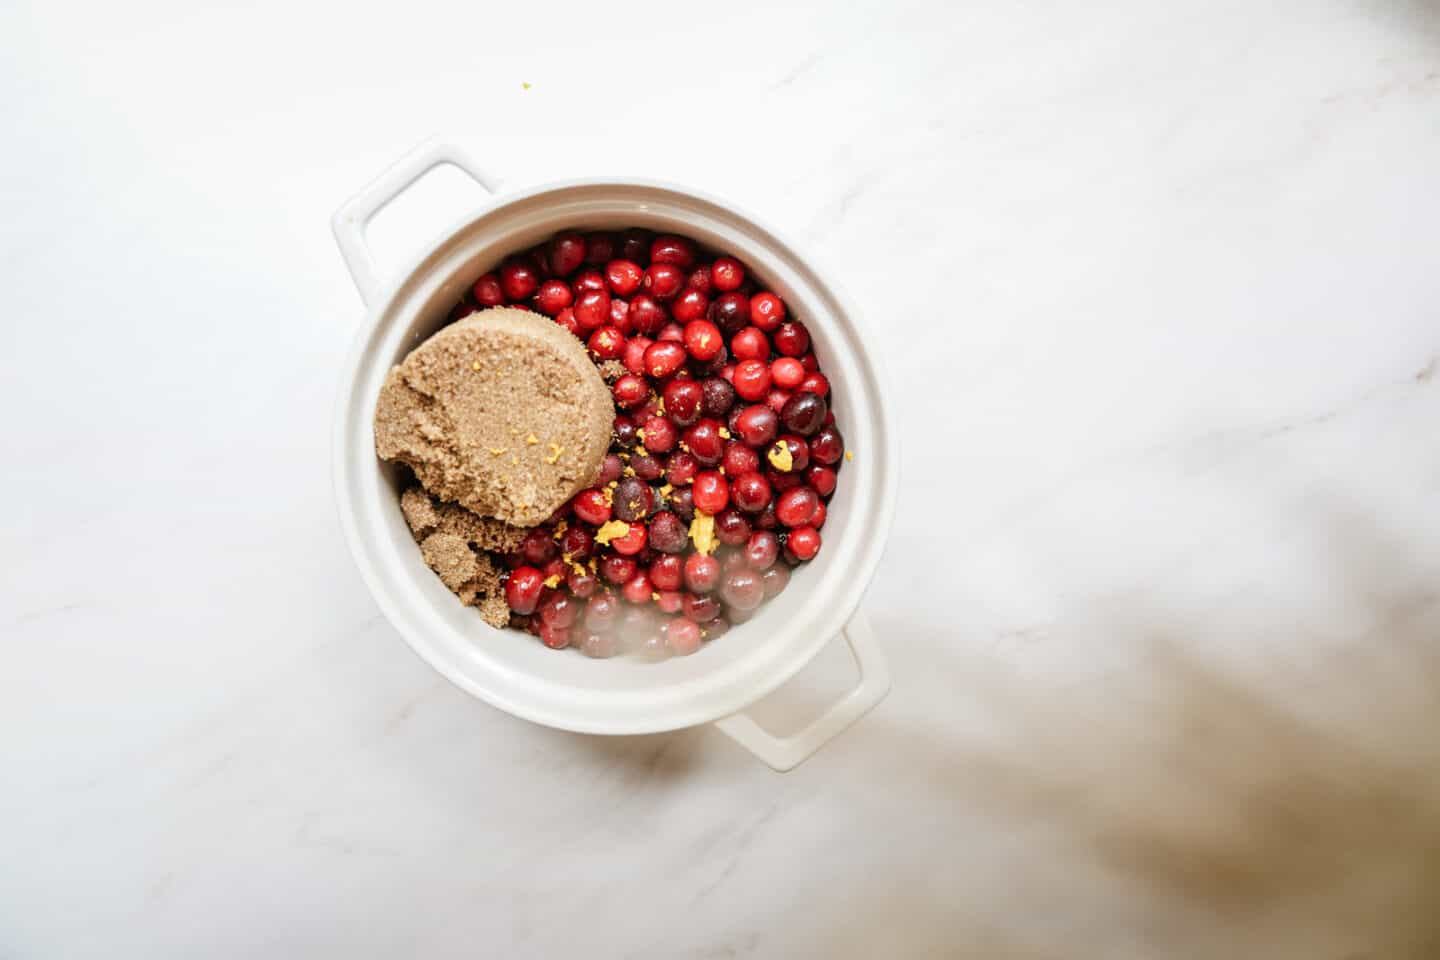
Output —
(1160, 288)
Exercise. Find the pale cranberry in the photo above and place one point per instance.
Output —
(659, 435)
(750, 344)
(682, 636)
(757, 425)
(667, 572)
(602, 611)
(711, 492)
(592, 507)
(592, 310)
(701, 608)
(607, 343)
(787, 373)
(630, 391)
(815, 383)
(518, 279)
(670, 601)
(637, 589)
(556, 638)
(739, 459)
(702, 573)
(715, 628)
(488, 292)
(522, 589)
(774, 580)
(804, 542)
(792, 339)
(601, 646)
(727, 273)
(599, 248)
(730, 312)
(582, 582)
(663, 281)
(663, 358)
(751, 492)
(634, 355)
(804, 413)
(795, 507)
(668, 248)
(731, 527)
(767, 311)
(623, 277)
(827, 446)
(617, 569)
(690, 305)
(762, 549)
(632, 542)
(646, 467)
(752, 379)
(559, 610)
(705, 442)
(646, 314)
(718, 396)
(742, 589)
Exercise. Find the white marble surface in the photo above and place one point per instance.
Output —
(1161, 284)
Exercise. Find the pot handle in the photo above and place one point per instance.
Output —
(350, 221)
(786, 753)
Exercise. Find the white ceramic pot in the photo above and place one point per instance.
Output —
(564, 689)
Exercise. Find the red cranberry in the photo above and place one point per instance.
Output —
(781, 481)
(757, 425)
(827, 446)
(518, 279)
(795, 507)
(566, 319)
(601, 646)
(691, 305)
(727, 273)
(667, 572)
(620, 315)
(559, 610)
(700, 280)
(683, 399)
(682, 504)
(602, 611)
(774, 580)
(537, 548)
(766, 312)
(804, 542)
(733, 419)
(765, 519)
(646, 467)
(488, 292)
(634, 355)
(522, 589)
(663, 358)
(742, 589)
(556, 638)
(646, 314)
(635, 244)
(705, 442)
(750, 344)
(668, 533)
(637, 589)
(581, 582)
(587, 281)
(592, 310)
(751, 492)
(730, 312)
(663, 281)
(623, 277)
(786, 373)
(566, 252)
(799, 452)
(599, 248)
(702, 573)
(617, 569)
(624, 429)
(680, 468)
(804, 413)
(701, 608)
(576, 543)
(607, 343)
(821, 479)
(702, 340)
(727, 373)
(633, 500)
(762, 549)
(815, 383)
(817, 519)
(776, 399)
(717, 396)
(739, 459)
(752, 379)
(659, 435)
(731, 527)
(668, 248)
(792, 339)
(711, 492)
(670, 601)
(682, 636)
(632, 542)
(592, 507)
(630, 391)
(810, 364)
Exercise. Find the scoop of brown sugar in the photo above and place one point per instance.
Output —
(502, 412)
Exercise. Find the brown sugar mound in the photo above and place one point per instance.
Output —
(454, 542)
(502, 413)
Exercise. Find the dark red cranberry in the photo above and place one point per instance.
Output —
(750, 344)
(815, 383)
(767, 311)
(786, 373)
(699, 279)
(727, 273)
(577, 544)
(681, 468)
(537, 548)
(592, 310)
(702, 340)
(765, 519)
(518, 279)
(646, 314)
(668, 533)
(717, 396)
(701, 608)
(587, 280)
(776, 399)
(635, 245)
(750, 491)
(711, 492)
(804, 413)
(690, 305)
(733, 419)
(821, 479)
(638, 589)
(827, 446)
(682, 504)
(631, 542)
(663, 281)
(761, 550)
(566, 252)
(795, 507)
(742, 589)
(601, 646)
(810, 364)
(555, 568)
(591, 506)
(799, 452)
(682, 636)
(599, 248)
(739, 459)
(705, 442)
(559, 610)
(781, 481)
(668, 248)
(731, 527)
(774, 580)
(752, 379)
(522, 589)
(667, 572)
(702, 573)
(610, 469)
(602, 610)
(804, 542)
(617, 569)
(607, 343)
(659, 435)
(539, 259)
(461, 310)
(556, 638)
(792, 339)
(663, 358)
(683, 399)
(670, 601)
(730, 312)
(488, 292)
(623, 277)
(758, 425)
(630, 391)
(581, 582)
(646, 467)
(634, 355)
(633, 500)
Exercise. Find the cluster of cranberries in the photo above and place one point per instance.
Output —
(740, 436)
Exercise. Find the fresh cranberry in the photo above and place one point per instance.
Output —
(646, 314)
(816, 383)
(781, 481)
(581, 582)
(632, 542)
(592, 309)
(646, 467)
(623, 277)
(566, 319)
(683, 399)
(804, 542)
(821, 479)
(691, 305)
(702, 340)
(630, 391)
(792, 339)
(752, 379)
(634, 355)
(659, 435)
(617, 569)
(620, 315)
(804, 413)
(602, 610)
(767, 311)
(638, 589)
(717, 396)
(733, 419)
(699, 279)
(663, 358)
(667, 248)
(587, 280)
(566, 253)
(682, 504)
(663, 281)
(592, 507)
(559, 610)
(727, 373)
(668, 533)
(702, 573)
(765, 519)
(731, 527)
(670, 601)
(633, 500)
(817, 519)
(786, 373)
(623, 429)
(488, 292)
(667, 572)
(682, 636)
(799, 452)
(762, 549)
(705, 442)
(600, 646)
(742, 589)
(774, 580)
(795, 507)
(537, 548)
(607, 343)
(810, 364)
(522, 589)
(576, 543)
(711, 492)
(538, 258)
(758, 425)
(672, 333)
(750, 344)
(827, 446)
(556, 638)
(460, 311)
(635, 244)
(727, 273)
(680, 468)
(730, 312)
(739, 459)
(701, 608)
(750, 491)
(518, 279)
(599, 248)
